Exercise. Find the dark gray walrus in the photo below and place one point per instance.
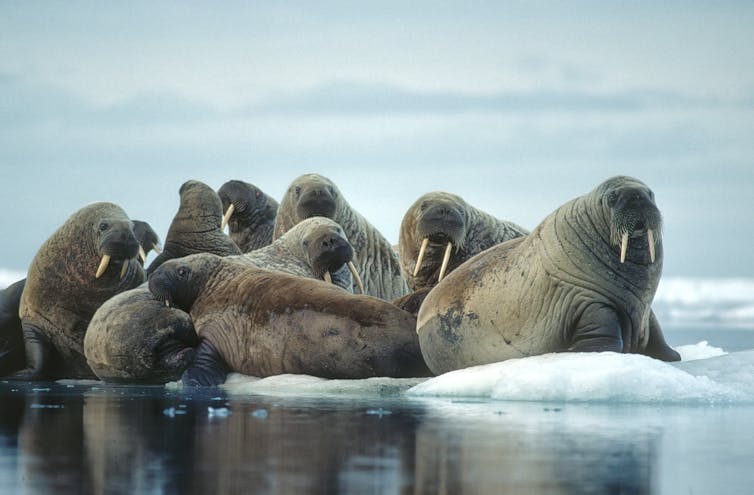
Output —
(196, 226)
(263, 323)
(148, 239)
(583, 280)
(134, 338)
(249, 214)
(313, 195)
(89, 259)
(314, 248)
(441, 231)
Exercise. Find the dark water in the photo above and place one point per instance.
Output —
(95, 438)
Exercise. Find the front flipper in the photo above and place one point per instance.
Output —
(209, 368)
(656, 346)
(39, 353)
(598, 330)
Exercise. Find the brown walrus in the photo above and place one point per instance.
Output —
(314, 248)
(440, 231)
(196, 226)
(134, 338)
(89, 259)
(314, 195)
(262, 323)
(583, 280)
(249, 214)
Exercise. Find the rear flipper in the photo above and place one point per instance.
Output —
(209, 368)
(656, 345)
(39, 354)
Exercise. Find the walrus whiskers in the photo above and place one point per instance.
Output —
(102, 265)
(651, 240)
(356, 277)
(227, 216)
(445, 260)
(423, 248)
(328, 277)
(124, 269)
(623, 247)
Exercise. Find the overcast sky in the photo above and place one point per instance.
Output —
(517, 108)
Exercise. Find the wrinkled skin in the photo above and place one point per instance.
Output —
(265, 323)
(62, 291)
(561, 288)
(446, 218)
(310, 249)
(377, 263)
(134, 338)
(253, 219)
(12, 353)
(196, 226)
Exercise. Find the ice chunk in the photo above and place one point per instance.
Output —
(702, 350)
(311, 386)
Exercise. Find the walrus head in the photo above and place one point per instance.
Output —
(115, 242)
(634, 219)
(243, 203)
(315, 196)
(328, 251)
(200, 204)
(147, 238)
(174, 284)
(440, 221)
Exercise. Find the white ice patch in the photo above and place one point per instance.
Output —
(705, 300)
(702, 350)
(8, 277)
(591, 377)
(311, 386)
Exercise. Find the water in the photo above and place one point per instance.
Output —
(567, 423)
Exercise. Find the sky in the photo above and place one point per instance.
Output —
(517, 107)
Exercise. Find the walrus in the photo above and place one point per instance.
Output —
(249, 214)
(134, 338)
(314, 195)
(263, 323)
(89, 259)
(583, 280)
(147, 238)
(12, 353)
(196, 226)
(314, 248)
(440, 231)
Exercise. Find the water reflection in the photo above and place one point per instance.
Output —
(117, 439)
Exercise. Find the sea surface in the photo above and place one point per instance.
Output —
(566, 423)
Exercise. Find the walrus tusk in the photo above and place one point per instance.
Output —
(623, 247)
(445, 260)
(124, 269)
(423, 248)
(142, 254)
(102, 265)
(227, 215)
(651, 240)
(328, 277)
(157, 249)
(167, 303)
(356, 277)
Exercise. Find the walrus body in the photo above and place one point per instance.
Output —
(65, 286)
(249, 213)
(264, 323)
(196, 226)
(451, 231)
(134, 338)
(12, 353)
(314, 195)
(561, 288)
(314, 248)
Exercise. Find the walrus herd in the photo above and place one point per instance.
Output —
(309, 286)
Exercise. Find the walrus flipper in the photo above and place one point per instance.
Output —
(39, 352)
(656, 346)
(209, 368)
(598, 330)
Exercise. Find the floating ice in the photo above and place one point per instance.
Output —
(259, 413)
(218, 412)
(172, 412)
(311, 386)
(702, 350)
(597, 377)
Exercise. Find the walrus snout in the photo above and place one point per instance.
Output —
(316, 201)
(634, 217)
(329, 253)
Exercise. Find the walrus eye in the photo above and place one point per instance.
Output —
(306, 243)
(298, 191)
(103, 226)
(182, 272)
(611, 199)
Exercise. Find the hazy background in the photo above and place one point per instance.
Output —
(517, 108)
